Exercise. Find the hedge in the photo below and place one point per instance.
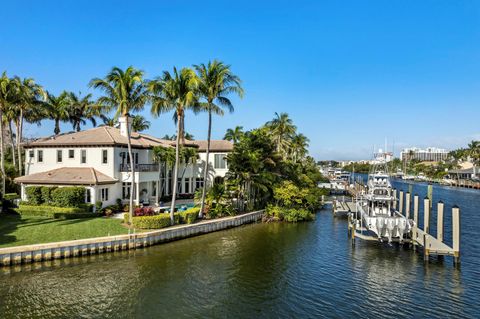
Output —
(189, 216)
(34, 194)
(150, 222)
(11, 196)
(56, 196)
(68, 196)
(54, 212)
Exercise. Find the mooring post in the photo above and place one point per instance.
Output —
(426, 215)
(394, 198)
(400, 203)
(440, 207)
(407, 205)
(323, 199)
(415, 221)
(456, 234)
(426, 249)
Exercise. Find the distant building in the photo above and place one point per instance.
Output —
(430, 154)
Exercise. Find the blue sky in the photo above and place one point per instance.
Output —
(349, 73)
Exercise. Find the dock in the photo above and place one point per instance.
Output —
(418, 238)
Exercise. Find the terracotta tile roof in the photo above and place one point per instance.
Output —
(68, 176)
(104, 135)
(110, 136)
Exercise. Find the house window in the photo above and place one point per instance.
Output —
(179, 185)
(154, 188)
(83, 156)
(136, 158)
(104, 194)
(125, 190)
(104, 156)
(71, 153)
(187, 185)
(88, 196)
(40, 156)
(59, 156)
(219, 161)
(199, 183)
(31, 154)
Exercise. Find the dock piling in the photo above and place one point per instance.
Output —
(456, 235)
(440, 207)
(400, 203)
(426, 215)
(407, 205)
(395, 198)
(415, 220)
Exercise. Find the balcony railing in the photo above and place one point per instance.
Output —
(139, 168)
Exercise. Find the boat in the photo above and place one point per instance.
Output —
(375, 211)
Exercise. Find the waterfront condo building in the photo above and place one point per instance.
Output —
(98, 160)
(430, 154)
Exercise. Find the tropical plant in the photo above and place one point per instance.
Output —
(6, 97)
(57, 109)
(139, 123)
(234, 135)
(216, 82)
(124, 90)
(82, 109)
(298, 147)
(281, 129)
(175, 92)
(165, 157)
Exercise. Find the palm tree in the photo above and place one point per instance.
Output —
(28, 99)
(175, 91)
(216, 81)
(234, 135)
(189, 156)
(139, 123)
(282, 129)
(474, 151)
(57, 109)
(165, 157)
(298, 147)
(108, 121)
(82, 109)
(125, 91)
(6, 96)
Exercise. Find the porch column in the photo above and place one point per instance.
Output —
(23, 194)
(137, 193)
(157, 199)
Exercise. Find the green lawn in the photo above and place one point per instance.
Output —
(16, 230)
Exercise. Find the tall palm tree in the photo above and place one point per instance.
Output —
(108, 121)
(282, 129)
(6, 96)
(177, 92)
(165, 157)
(139, 123)
(298, 147)
(474, 151)
(234, 135)
(125, 91)
(82, 109)
(216, 82)
(57, 109)
(28, 100)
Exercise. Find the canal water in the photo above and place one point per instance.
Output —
(305, 270)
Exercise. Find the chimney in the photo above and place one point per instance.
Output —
(124, 121)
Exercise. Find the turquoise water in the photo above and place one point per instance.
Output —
(305, 270)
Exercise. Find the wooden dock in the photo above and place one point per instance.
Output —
(418, 238)
(341, 208)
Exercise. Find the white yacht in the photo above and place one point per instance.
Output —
(375, 211)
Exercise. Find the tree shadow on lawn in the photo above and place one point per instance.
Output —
(9, 223)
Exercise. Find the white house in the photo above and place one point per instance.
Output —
(98, 160)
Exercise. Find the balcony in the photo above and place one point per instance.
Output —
(139, 168)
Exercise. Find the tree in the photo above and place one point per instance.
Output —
(165, 157)
(57, 109)
(82, 109)
(298, 147)
(281, 129)
(474, 151)
(234, 135)
(6, 97)
(175, 92)
(139, 123)
(216, 82)
(124, 90)
(29, 96)
(173, 137)
(108, 121)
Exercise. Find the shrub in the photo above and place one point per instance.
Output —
(189, 216)
(98, 205)
(54, 212)
(34, 195)
(151, 222)
(143, 211)
(126, 208)
(119, 204)
(68, 196)
(47, 194)
(11, 196)
(291, 215)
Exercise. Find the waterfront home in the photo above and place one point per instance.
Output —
(98, 160)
